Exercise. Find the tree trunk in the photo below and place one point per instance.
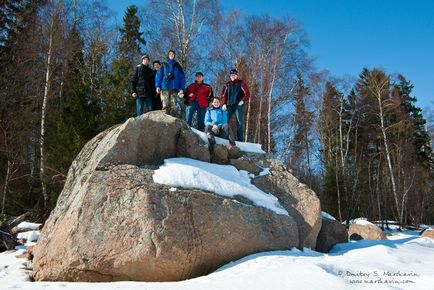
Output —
(6, 186)
(44, 106)
(389, 162)
(257, 136)
(338, 191)
(269, 111)
(246, 132)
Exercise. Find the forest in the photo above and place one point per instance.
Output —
(360, 142)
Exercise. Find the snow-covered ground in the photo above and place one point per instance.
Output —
(224, 180)
(404, 261)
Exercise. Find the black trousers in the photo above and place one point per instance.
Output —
(225, 132)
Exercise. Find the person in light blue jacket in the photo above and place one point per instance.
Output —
(216, 123)
(169, 83)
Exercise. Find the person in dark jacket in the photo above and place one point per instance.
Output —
(156, 100)
(235, 94)
(216, 123)
(142, 86)
(198, 96)
(170, 82)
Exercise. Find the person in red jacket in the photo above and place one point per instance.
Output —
(235, 94)
(198, 96)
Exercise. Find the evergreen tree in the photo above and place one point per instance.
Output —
(130, 46)
(422, 140)
(72, 119)
(300, 156)
(13, 19)
(119, 105)
(331, 195)
(17, 83)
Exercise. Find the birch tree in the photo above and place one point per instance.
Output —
(179, 25)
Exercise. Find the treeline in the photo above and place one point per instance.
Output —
(376, 152)
(65, 76)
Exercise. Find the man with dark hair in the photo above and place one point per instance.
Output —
(156, 100)
(170, 82)
(235, 94)
(199, 95)
(142, 87)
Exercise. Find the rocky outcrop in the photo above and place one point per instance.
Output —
(300, 201)
(332, 232)
(112, 222)
(366, 231)
(128, 228)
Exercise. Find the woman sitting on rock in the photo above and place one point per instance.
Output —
(216, 123)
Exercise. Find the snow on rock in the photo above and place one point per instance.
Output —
(328, 216)
(403, 262)
(27, 225)
(29, 237)
(360, 221)
(244, 146)
(265, 171)
(224, 180)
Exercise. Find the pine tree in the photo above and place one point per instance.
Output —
(422, 140)
(13, 19)
(331, 194)
(118, 103)
(131, 42)
(300, 156)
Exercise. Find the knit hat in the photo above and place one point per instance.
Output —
(198, 74)
(144, 56)
(233, 72)
(156, 61)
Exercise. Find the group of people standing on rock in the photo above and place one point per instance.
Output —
(163, 88)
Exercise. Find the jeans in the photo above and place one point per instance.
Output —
(238, 110)
(190, 110)
(140, 104)
(225, 132)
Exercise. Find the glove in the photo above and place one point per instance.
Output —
(224, 107)
(240, 103)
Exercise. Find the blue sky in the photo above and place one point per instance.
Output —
(347, 35)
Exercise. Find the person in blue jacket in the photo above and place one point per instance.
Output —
(216, 123)
(169, 83)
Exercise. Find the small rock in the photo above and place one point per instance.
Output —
(331, 233)
(366, 232)
(7, 242)
(191, 146)
(234, 152)
(220, 154)
(429, 233)
(245, 164)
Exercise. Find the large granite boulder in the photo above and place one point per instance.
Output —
(112, 222)
(366, 231)
(300, 201)
(332, 232)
